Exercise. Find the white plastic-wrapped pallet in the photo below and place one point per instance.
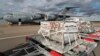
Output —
(60, 36)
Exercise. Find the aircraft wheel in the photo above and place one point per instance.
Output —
(9, 23)
(19, 23)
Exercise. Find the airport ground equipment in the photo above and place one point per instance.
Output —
(35, 48)
(30, 50)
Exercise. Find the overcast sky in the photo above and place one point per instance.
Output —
(46, 5)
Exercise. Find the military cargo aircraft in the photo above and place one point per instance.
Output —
(21, 17)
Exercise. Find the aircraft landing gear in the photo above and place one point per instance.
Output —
(9, 23)
(19, 22)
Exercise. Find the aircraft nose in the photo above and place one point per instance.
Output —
(6, 18)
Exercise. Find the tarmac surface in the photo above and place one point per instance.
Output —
(10, 31)
(11, 36)
(8, 34)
